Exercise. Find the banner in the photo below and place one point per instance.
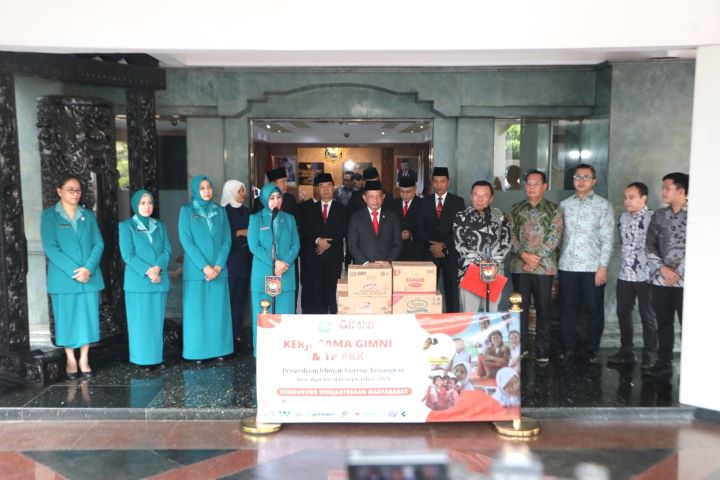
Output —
(388, 368)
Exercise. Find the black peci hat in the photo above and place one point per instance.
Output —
(276, 174)
(408, 181)
(370, 173)
(372, 185)
(322, 178)
(440, 172)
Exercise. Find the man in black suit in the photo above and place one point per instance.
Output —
(374, 231)
(438, 214)
(321, 238)
(278, 176)
(408, 208)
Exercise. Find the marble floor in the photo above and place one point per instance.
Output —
(218, 449)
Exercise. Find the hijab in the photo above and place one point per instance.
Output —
(135, 205)
(504, 375)
(265, 193)
(205, 208)
(229, 193)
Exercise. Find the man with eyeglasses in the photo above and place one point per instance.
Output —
(537, 228)
(588, 222)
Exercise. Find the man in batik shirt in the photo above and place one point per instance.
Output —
(536, 233)
(666, 265)
(632, 278)
(481, 233)
(588, 222)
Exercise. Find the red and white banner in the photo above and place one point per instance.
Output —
(388, 368)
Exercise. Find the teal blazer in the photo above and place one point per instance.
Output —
(287, 247)
(201, 247)
(68, 250)
(139, 255)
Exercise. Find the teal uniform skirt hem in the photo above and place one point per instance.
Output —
(145, 319)
(77, 318)
(207, 322)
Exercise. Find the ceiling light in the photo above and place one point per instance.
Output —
(268, 126)
(279, 131)
(382, 133)
(412, 131)
(422, 126)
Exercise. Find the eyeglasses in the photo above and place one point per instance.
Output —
(73, 191)
(583, 178)
(533, 184)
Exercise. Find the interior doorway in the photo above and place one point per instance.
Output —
(306, 147)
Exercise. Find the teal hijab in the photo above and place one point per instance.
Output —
(135, 205)
(205, 208)
(265, 193)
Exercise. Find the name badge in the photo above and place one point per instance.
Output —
(195, 216)
(264, 228)
(64, 225)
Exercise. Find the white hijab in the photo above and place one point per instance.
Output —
(504, 375)
(229, 192)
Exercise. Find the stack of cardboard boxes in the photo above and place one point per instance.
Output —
(404, 287)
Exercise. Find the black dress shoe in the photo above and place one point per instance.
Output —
(661, 370)
(621, 358)
(592, 358)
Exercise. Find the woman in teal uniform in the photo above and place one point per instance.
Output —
(145, 248)
(73, 245)
(204, 233)
(287, 246)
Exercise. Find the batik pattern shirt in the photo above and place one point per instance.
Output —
(633, 228)
(588, 231)
(536, 230)
(666, 245)
(481, 235)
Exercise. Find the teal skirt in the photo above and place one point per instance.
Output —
(145, 319)
(207, 322)
(77, 318)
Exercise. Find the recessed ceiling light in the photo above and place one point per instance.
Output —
(412, 131)
(422, 126)
(382, 133)
(279, 131)
(268, 126)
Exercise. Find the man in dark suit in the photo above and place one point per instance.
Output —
(302, 218)
(278, 176)
(438, 214)
(374, 231)
(321, 237)
(409, 210)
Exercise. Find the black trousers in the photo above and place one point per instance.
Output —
(537, 288)
(666, 301)
(576, 287)
(323, 274)
(448, 271)
(626, 293)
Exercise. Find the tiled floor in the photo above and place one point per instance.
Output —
(218, 449)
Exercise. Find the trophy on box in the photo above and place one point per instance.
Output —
(488, 273)
(273, 283)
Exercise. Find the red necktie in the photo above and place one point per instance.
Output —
(438, 210)
(376, 225)
(325, 205)
(405, 209)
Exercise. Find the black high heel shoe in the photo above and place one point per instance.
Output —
(72, 376)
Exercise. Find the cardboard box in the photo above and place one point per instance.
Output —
(363, 305)
(342, 286)
(417, 302)
(369, 281)
(414, 277)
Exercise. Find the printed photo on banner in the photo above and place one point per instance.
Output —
(389, 368)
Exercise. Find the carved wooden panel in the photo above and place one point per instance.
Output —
(13, 247)
(77, 135)
(142, 141)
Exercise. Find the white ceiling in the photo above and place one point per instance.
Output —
(287, 33)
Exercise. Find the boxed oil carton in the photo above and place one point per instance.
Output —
(369, 281)
(414, 277)
(417, 302)
(342, 286)
(363, 305)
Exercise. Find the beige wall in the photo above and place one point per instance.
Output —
(356, 154)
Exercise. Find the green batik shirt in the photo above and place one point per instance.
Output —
(536, 230)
